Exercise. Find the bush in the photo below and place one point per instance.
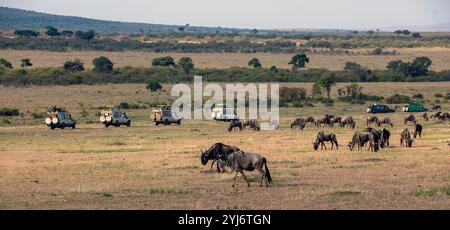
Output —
(8, 112)
(153, 86)
(447, 96)
(398, 99)
(75, 65)
(439, 95)
(102, 64)
(418, 96)
(38, 115)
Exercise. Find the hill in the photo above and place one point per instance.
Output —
(11, 18)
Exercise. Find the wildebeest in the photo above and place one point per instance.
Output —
(348, 121)
(214, 151)
(371, 120)
(336, 120)
(322, 137)
(360, 139)
(325, 120)
(310, 120)
(435, 115)
(444, 116)
(252, 124)
(385, 135)
(298, 123)
(385, 121)
(425, 116)
(405, 138)
(239, 161)
(376, 138)
(436, 107)
(410, 119)
(417, 130)
(235, 124)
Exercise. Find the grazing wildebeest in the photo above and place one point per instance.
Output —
(360, 139)
(444, 116)
(252, 124)
(405, 138)
(385, 121)
(410, 119)
(325, 120)
(436, 107)
(310, 120)
(213, 153)
(336, 120)
(435, 115)
(239, 161)
(348, 121)
(371, 120)
(298, 123)
(417, 130)
(385, 135)
(376, 138)
(235, 124)
(425, 117)
(322, 137)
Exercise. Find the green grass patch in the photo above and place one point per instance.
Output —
(131, 150)
(171, 191)
(432, 192)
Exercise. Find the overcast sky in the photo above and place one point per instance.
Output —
(344, 14)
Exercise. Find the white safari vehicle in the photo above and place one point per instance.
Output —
(222, 112)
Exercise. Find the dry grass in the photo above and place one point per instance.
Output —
(439, 56)
(156, 167)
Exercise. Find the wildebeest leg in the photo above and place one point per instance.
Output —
(245, 178)
(213, 163)
(234, 181)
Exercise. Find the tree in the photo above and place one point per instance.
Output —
(52, 31)
(88, 35)
(255, 63)
(299, 61)
(353, 66)
(153, 86)
(370, 32)
(254, 31)
(74, 65)
(416, 35)
(186, 64)
(273, 69)
(399, 66)
(67, 33)
(419, 67)
(103, 65)
(163, 61)
(398, 32)
(377, 51)
(5, 64)
(25, 62)
(326, 81)
(181, 28)
(316, 91)
(26, 33)
(406, 32)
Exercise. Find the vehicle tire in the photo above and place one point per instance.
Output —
(52, 127)
(63, 126)
(166, 122)
(106, 125)
(179, 122)
(73, 126)
(156, 123)
(129, 124)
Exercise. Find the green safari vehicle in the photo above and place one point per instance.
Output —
(414, 107)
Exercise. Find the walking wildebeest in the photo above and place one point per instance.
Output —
(325, 120)
(322, 137)
(417, 130)
(360, 139)
(436, 107)
(239, 161)
(371, 120)
(410, 119)
(444, 116)
(405, 137)
(385, 121)
(214, 151)
(385, 135)
(348, 121)
(298, 123)
(235, 124)
(425, 116)
(252, 124)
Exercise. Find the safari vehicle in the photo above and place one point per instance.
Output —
(414, 107)
(115, 118)
(59, 118)
(163, 115)
(375, 108)
(222, 112)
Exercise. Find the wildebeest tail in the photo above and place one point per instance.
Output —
(269, 178)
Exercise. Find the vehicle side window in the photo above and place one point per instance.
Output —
(167, 113)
